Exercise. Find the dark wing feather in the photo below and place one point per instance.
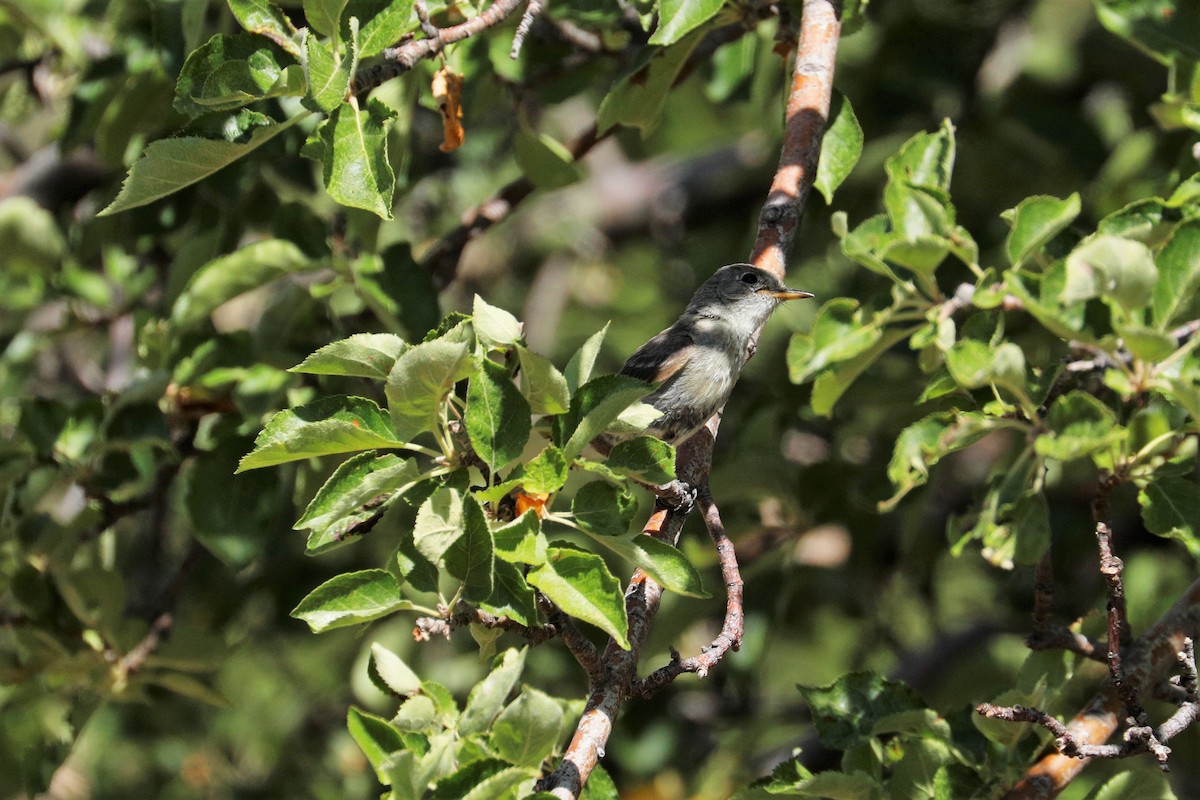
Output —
(661, 357)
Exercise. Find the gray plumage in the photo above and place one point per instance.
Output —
(697, 360)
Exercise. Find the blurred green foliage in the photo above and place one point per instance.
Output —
(142, 352)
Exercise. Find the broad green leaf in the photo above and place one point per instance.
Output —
(380, 27)
(336, 424)
(495, 327)
(526, 732)
(169, 165)
(927, 441)
(1145, 343)
(665, 564)
(420, 380)
(865, 243)
(1165, 30)
(511, 596)
(490, 694)
(546, 472)
(542, 384)
(1106, 266)
(595, 406)
(1035, 221)
(375, 737)
(521, 541)
(544, 160)
(485, 779)
(832, 384)
(329, 72)
(1178, 273)
(1149, 221)
(603, 509)
(363, 355)
(1063, 322)
(396, 676)
(1030, 523)
(350, 599)
(1142, 782)
(677, 18)
(1079, 425)
(634, 420)
(353, 150)
(225, 278)
(471, 556)
(841, 147)
(845, 711)
(838, 333)
(1171, 508)
(973, 364)
(916, 196)
(580, 584)
(498, 418)
(324, 15)
(636, 100)
(229, 72)
(439, 523)
(579, 368)
(266, 19)
(645, 459)
(360, 488)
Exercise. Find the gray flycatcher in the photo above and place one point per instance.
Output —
(697, 360)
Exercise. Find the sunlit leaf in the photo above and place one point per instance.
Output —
(350, 599)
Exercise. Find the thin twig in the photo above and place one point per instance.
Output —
(532, 9)
(580, 646)
(464, 614)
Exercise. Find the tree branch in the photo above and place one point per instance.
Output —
(807, 112)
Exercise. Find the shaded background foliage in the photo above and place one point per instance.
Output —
(121, 434)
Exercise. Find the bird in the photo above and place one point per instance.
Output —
(696, 361)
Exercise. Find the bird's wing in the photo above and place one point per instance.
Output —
(661, 357)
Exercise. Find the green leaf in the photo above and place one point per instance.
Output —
(916, 196)
(636, 100)
(225, 278)
(490, 694)
(439, 523)
(511, 596)
(394, 675)
(496, 328)
(845, 711)
(580, 584)
(1171, 508)
(1165, 30)
(1139, 783)
(380, 27)
(328, 72)
(1079, 425)
(664, 563)
(324, 15)
(838, 333)
(471, 556)
(602, 509)
(363, 355)
(359, 489)
(831, 384)
(228, 72)
(526, 731)
(498, 418)
(1035, 221)
(350, 599)
(841, 147)
(521, 541)
(544, 160)
(973, 364)
(485, 779)
(927, 441)
(595, 406)
(169, 165)
(1106, 266)
(542, 384)
(375, 737)
(546, 472)
(420, 380)
(1178, 273)
(645, 459)
(336, 424)
(677, 18)
(579, 368)
(266, 19)
(354, 152)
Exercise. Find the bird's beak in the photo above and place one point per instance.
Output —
(788, 294)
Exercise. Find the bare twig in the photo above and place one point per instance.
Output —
(532, 9)
(404, 56)
(580, 646)
(464, 614)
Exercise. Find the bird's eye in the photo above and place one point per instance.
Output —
(750, 278)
